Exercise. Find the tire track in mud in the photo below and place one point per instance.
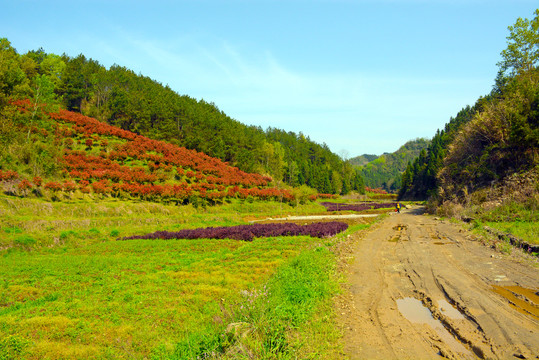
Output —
(436, 270)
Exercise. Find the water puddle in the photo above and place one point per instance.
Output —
(448, 310)
(525, 301)
(397, 237)
(413, 310)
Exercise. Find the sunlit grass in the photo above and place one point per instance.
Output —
(128, 297)
(520, 219)
(34, 222)
(527, 231)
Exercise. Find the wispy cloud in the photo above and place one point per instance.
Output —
(256, 88)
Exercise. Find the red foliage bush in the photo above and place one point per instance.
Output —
(101, 187)
(107, 173)
(24, 185)
(376, 191)
(69, 186)
(53, 185)
(37, 181)
(8, 175)
(355, 207)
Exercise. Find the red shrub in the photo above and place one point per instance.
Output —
(8, 175)
(37, 181)
(24, 185)
(69, 186)
(53, 185)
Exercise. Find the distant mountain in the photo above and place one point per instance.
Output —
(385, 171)
(362, 159)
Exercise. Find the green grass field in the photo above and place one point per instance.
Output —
(70, 290)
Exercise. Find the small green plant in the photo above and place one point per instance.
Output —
(12, 347)
(64, 235)
(504, 247)
(12, 230)
(24, 240)
(288, 302)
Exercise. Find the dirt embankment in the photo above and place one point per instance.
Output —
(421, 288)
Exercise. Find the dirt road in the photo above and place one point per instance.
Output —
(421, 288)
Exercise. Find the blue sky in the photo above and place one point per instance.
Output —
(363, 76)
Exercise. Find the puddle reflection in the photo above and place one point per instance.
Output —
(413, 310)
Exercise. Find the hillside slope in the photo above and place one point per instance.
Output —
(119, 97)
(493, 140)
(103, 160)
(484, 166)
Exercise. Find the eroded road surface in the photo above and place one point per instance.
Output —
(421, 288)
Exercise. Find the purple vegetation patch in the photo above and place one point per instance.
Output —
(355, 207)
(249, 232)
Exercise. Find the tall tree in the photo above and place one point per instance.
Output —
(522, 52)
(11, 74)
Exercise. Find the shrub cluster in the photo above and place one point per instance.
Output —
(8, 175)
(355, 207)
(375, 190)
(249, 232)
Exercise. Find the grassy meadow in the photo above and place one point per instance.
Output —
(70, 289)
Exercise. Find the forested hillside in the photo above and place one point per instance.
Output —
(493, 140)
(312, 164)
(144, 106)
(386, 170)
(419, 179)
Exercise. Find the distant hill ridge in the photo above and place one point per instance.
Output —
(385, 171)
(362, 159)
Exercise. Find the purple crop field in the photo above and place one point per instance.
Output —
(249, 232)
(355, 207)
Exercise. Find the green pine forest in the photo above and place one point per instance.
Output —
(139, 104)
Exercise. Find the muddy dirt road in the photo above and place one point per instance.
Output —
(421, 288)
